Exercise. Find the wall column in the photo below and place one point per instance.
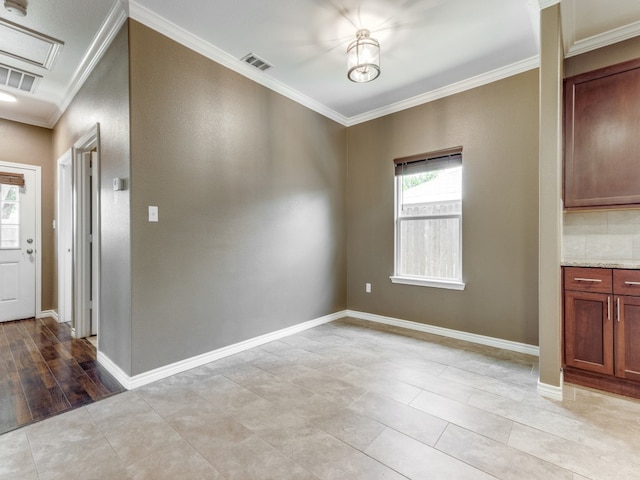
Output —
(550, 205)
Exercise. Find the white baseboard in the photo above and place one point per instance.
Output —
(48, 314)
(135, 381)
(551, 391)
(446, 332)
(131, 382)
(113, 369)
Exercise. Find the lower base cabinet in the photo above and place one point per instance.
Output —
(602, 328)
(588, 332)
(627, 339)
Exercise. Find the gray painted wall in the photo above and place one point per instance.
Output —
(497, 125)
(251, 194)
(104, 99)
(253, 204)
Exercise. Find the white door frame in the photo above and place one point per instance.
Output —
(64, 236)
(81, 326)
(38, 249)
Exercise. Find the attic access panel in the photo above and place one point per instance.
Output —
(27, 45)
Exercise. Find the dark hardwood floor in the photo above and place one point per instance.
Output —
(45, 371)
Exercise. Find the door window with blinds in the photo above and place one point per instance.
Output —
(10, 210)
(428, 223)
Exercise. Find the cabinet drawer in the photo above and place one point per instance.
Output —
(581, 279)
(626, 282)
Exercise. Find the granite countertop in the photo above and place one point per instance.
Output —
(630, 264)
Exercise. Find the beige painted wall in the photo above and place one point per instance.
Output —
(602, 57)
(104, 99)
(497, 125)
(251, 194)
(31, 145)
(550, 167)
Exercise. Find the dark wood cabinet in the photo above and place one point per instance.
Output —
(628, 338)
(602, 328)
(588, 332)
(626, 286)
(602, 145)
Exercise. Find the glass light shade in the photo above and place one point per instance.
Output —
(17, 8)
(363, 58)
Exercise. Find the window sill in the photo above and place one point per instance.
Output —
(422, 282)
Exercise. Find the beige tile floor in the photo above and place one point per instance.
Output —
(346, 400)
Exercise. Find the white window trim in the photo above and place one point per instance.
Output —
(420, 281)
(431, 282)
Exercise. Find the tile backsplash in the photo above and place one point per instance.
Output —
(601, 235)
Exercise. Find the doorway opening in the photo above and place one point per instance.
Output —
(79, 272)
(64, 231)
(87, 261)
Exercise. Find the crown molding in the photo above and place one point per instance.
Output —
(568, 22)
(458, 87)
(28, 119)
(547, 3)
(109, 29)
(160, 24)
(119, 13)
(197, 44)
(604, 39)
(573, 47)
(125, 5)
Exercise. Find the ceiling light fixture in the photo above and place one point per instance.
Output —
(15, 7)
(6, 97)
(363, 58)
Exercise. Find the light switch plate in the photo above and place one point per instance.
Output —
(153, 213)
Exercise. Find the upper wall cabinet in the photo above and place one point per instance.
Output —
(602, 137)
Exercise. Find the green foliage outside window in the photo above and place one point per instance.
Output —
(410, 181)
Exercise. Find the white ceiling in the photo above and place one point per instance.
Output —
(430, 48)
(77, 24)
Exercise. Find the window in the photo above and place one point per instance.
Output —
(10, 217)
(429, 220)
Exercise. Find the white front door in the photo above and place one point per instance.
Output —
(18, 247)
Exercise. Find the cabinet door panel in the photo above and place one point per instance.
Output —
(628, 338)
(602, 119)
(588, 332)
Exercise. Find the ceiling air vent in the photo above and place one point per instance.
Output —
(18, 79)
(255, 61)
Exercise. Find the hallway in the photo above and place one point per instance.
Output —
(44, 371)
